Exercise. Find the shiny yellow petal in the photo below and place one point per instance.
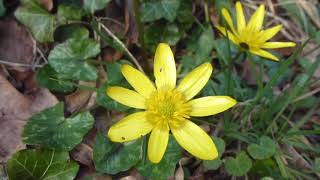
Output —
(210, 105)
(256, 19)
(241, 20)
(273, 45)
(228, 34)
(195, 80)
(158, 142)
(164, 67)
(138, 80)
(130, 128)
(264, 54)
(197, 142)
(127, 97)
(228, 18)
(269, 33)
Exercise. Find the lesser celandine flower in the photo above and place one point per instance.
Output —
(167, 107)
(250, 36)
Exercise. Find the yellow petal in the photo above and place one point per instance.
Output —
(228, 34)
(210, 105)
(228, 18)
(130, 128)
(256, 19)
(273, 45)
(241, 20)
(158, 142)
(195, 80)
(138, 80)
(264, 54)
(127, 97)
(197, 142)
(269, 33)
(164, 67)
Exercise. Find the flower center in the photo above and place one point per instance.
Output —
(244, 45)
(167, 106)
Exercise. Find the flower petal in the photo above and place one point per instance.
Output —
(127, 97)
(130, 128)
(228, 18)
(273, 45)
(256, 19)
(197, 142)
(210, 105)
(241, 20)
(138, 80)
(264, 54)
(228, 34)
(269, 33)
(164, 67)
(158, 142)
(195, 80)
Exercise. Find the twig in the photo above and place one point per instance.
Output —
(19, 64)
(122, 45)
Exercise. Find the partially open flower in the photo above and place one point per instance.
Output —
(251, 37)
(167, 107)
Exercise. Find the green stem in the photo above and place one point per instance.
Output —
(83, 87)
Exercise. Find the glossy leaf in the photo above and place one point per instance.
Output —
(69, 12)
(68, 58)
(51, 129)
(264, 149)
(112, 158)
(41, 164)
(239, 165)
(151, 11)
(38, 20)
(93, 5)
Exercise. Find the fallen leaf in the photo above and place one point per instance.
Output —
(15, 109)
(17, 45)
(83, 153)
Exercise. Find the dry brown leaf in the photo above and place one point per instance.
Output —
(83, 154)
(16, 45)
(15, 109)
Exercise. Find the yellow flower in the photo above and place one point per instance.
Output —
(250, 36)
(167, 107)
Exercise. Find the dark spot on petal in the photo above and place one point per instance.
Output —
(160, 69)
(123, 138)
(245, 46)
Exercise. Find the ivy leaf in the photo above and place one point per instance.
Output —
(38, 20)
(69, 12)
(69, 58)
(41, 164)
(216, 163)
(51, 129)
(166, 167)
(151, 11)
(238, 166)
(112, 158)
(265, 149)
(93, 5)
(49, 78)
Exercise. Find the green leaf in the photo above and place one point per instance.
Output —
(2, 8)
(238, 166)
(71, 31)
(69, 58)
(69, 12)
(51, 129)
(265, 149)
(38, 20)
(166, 167)
(216, 163)
(93, 5)
(317, 165)
(49, 78)
(151, 11)
(41, 164)
(112, 158)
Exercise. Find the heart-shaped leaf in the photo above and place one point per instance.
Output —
(38, 20)
(166, 167)
(265, 149)
(51, 129)
(93, 5)
(41, 164)
(238, 166)
(69, 12)
(112, 158)
(216, 163)
(151, 11)
(69, 58)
